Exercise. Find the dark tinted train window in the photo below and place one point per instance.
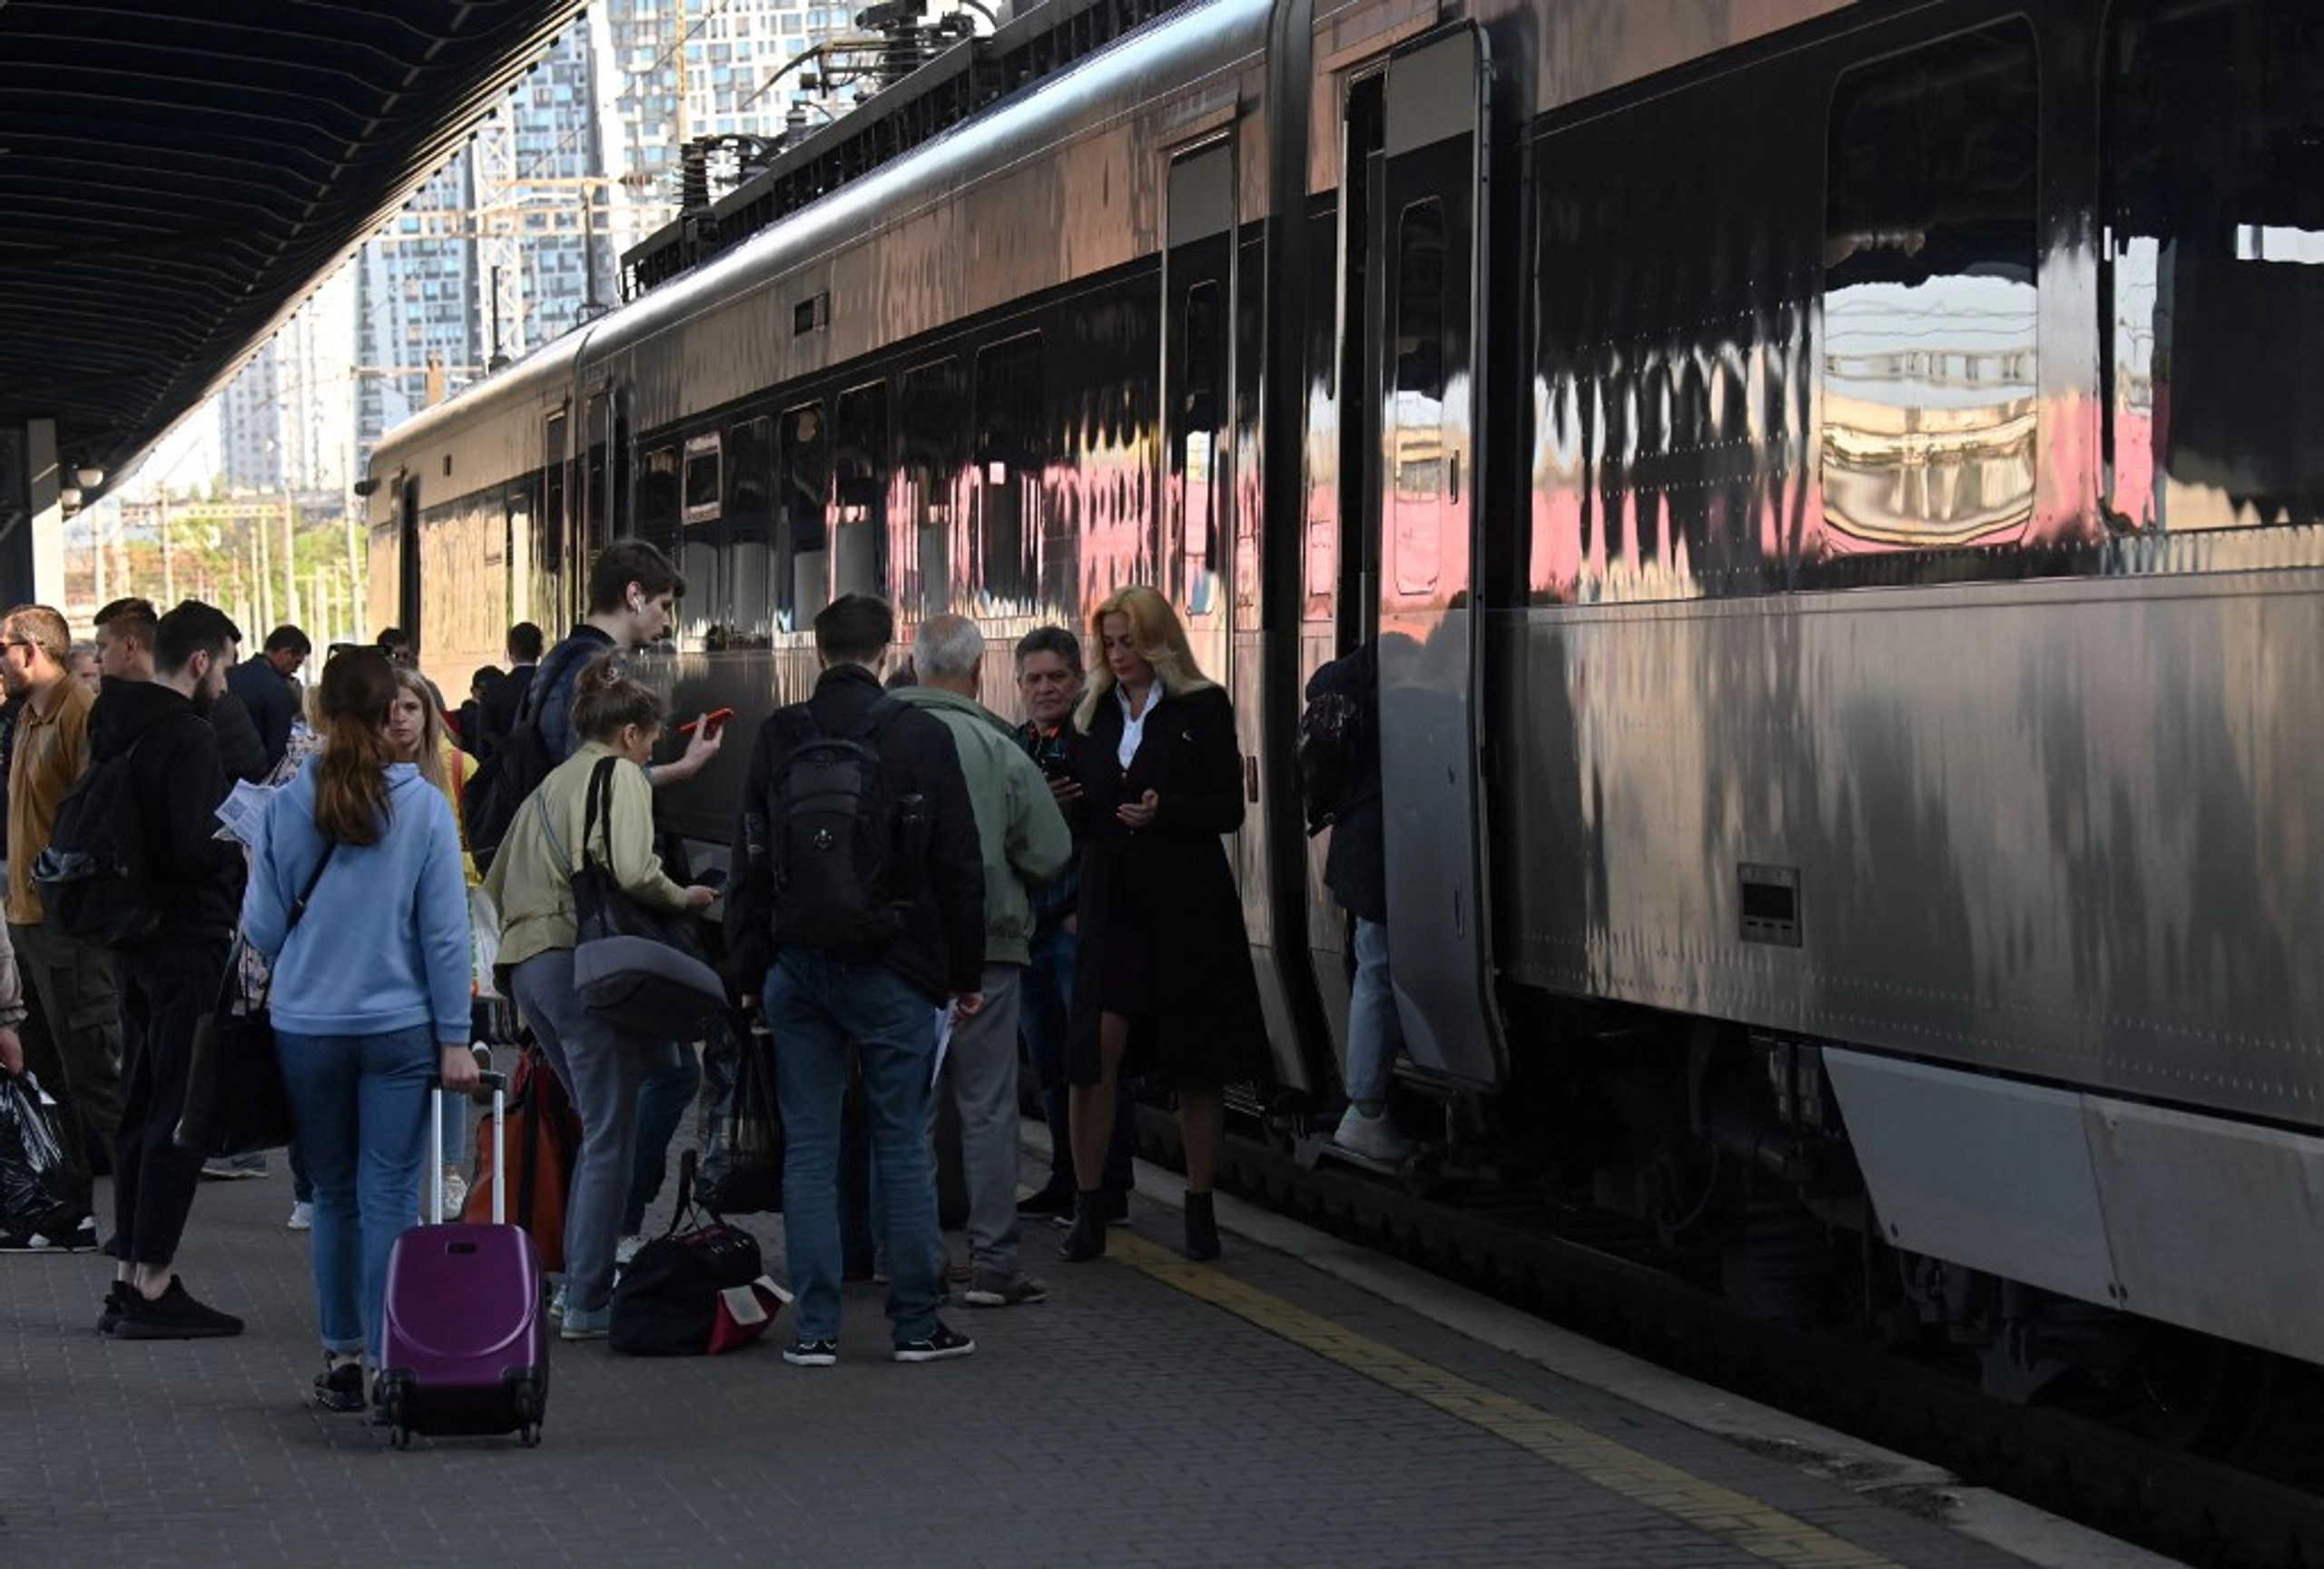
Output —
(859, 491)
(1010, 406)
(1420, 298)
(802, 576)
(1931, 242)
(933, 407)
(750, 533)
(701, 490)
(2214, 210)
(657, 501)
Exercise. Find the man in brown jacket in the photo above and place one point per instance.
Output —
(72, 1036)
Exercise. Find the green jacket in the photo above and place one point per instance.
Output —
(1022, 833)
(533, 889)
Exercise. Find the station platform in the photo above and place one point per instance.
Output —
(1272, 1408)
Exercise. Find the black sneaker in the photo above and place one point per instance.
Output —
(173, 1315)
(79, 1239)
(811, 1353)
(340, 1386)
(116, 1303)
(940, 1345)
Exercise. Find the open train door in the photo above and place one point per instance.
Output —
(1428, 242)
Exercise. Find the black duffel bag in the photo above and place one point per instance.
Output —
(640, 968)
(742, 1147)
(698, 1290)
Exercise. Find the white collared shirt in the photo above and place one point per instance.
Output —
(1134, 725)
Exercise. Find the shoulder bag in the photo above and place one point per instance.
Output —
(639, 970)
(235, 1100)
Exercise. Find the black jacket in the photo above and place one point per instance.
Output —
(503, 700)
(273, 699)
(1355, 867)
(940, 949)
(240, 752)
(197, 876)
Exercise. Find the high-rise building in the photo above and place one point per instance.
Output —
(287, 422)
(519, 238)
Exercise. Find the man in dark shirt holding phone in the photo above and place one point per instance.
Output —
(1048, 680)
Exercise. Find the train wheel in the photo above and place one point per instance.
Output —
(2200, 1392)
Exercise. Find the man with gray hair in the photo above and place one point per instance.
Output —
(1024, 841)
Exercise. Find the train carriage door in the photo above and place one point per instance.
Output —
(1428, 244)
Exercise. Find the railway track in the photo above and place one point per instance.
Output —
(1593, 1274)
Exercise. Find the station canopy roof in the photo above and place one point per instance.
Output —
(175, 175)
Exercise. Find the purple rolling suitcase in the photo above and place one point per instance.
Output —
(465, 1346)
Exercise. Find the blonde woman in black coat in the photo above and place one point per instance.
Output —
(1163, 988)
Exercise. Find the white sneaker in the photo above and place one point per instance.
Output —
(626, 1249)
(456, 1192)
(302, 1217)
(1373, 1137)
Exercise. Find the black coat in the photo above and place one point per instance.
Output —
(1162, 935)
(1355, 866)
(197, 877)
(273, 699)
(504, 700)
(940, 949)
(241, 753)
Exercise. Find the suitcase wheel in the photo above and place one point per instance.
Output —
(528, 1405)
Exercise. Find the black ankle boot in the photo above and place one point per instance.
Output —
(1202, 1227)
(1087, 1240)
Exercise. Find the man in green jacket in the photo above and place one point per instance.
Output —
(1024, 840)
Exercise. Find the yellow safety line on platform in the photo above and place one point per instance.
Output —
(1715, 1511)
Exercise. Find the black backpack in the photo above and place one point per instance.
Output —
(834, 833)
(1331, 755)
(94, 876)
(520, 760)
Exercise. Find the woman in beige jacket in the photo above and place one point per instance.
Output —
(531, 882)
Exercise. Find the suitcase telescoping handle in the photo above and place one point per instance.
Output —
(498, 1084)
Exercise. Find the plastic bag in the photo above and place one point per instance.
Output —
(484, 944)
(741, 1153)
(36, 1186)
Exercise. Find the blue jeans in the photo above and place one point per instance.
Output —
(600, 1066)
(662, 1101)
(818, 1006)
(1374, 1034)
(361, 1106)
(1046, 1004)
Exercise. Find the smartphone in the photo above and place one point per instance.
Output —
(711, 877)
(716, 718)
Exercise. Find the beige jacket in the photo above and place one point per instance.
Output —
(533, 890)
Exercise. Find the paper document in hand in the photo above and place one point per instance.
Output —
(243, 812)
(943, 1044)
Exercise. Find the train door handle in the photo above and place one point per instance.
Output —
(1251, 777)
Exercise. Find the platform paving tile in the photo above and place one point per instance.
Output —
(1127, 1421)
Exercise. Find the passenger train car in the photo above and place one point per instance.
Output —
(1840, 488)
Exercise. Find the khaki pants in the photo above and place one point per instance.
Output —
(72, 1036)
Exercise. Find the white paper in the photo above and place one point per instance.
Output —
(243, 812)
(943, 1044)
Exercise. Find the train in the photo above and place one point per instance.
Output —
(1842, 477)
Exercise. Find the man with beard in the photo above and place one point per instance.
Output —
(71, 1037)
(168, 978)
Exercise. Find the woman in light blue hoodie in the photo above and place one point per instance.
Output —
(359, 898)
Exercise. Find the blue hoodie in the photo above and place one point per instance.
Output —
(384, 943)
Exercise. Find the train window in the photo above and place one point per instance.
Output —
(750, 606)
(859, 490)
(1202, 328)
(1419, 300)
(802, 566)
(933, 403)
(1010, 454)
(702, 477)
(2214, 214)
(1930, 247)
(1420, 466)
(596, 491)
(550, 551)
(657, 501)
